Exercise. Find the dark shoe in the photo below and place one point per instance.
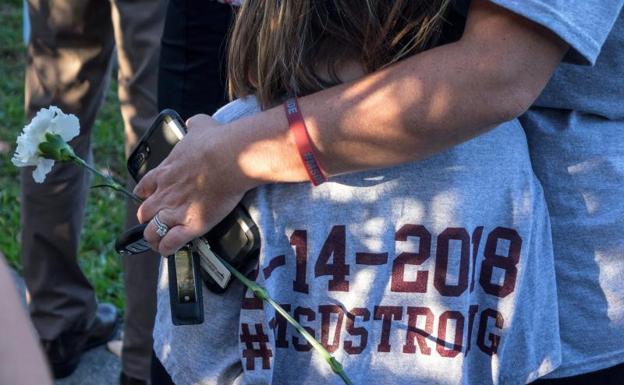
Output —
(65, 351)
(124, 379)
(104, 326)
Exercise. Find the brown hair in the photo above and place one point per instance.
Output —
(281, 48)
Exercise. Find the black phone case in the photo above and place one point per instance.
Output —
(132, 241)
(237, 240)
(185, 313)
(136, 158)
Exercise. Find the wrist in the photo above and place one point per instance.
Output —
(266, 149)
(299, 133)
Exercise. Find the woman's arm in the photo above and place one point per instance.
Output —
(406, 112)
(438, 98)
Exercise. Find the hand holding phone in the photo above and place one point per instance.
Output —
(236, 238)
(185, 291)
(201, 183)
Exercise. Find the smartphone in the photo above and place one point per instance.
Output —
(185, 291)
(185, 294)
(157, 142)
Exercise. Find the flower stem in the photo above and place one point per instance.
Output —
(262, 294)
(110, 182)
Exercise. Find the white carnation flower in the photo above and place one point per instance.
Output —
(48, 120)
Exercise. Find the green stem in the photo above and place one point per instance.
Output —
(110, 182)
(262, 294)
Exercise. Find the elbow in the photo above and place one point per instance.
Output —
(515, 94)
(516, 101)
(510, 83)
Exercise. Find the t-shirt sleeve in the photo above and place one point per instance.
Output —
(583, 24)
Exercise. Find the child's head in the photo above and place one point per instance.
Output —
(283, 48)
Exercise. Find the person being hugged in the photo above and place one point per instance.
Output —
(401, 223)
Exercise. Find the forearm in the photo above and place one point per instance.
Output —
(417, 107)
(410, 111)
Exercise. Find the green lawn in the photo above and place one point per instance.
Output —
(105, 209)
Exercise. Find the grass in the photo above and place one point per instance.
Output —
(105, 209)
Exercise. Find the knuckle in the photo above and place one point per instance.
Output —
(174, 240)
(196, 120)
(165, 251)
(152, 243)
(152, 176)
(169, 244)
(148, 234)
(139, 190)
(154, 246)
(141, 214)
(147, 180)
(144, 212)
(161, 175)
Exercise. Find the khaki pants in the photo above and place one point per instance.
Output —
(70, 56)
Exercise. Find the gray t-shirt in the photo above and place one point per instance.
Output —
(434, 272)
(576, 139)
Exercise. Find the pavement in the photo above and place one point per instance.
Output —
(97, 366)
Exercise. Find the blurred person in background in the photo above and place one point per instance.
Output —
(21, 358)
(73, 45)
(191, 70)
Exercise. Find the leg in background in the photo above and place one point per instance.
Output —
(68, 63)
(138, 28)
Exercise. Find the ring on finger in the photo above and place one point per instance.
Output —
(161, 228)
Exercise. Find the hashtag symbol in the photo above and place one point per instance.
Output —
(251, 353)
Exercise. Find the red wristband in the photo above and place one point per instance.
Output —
(296, 125)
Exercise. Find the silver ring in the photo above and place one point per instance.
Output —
(161, 228)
